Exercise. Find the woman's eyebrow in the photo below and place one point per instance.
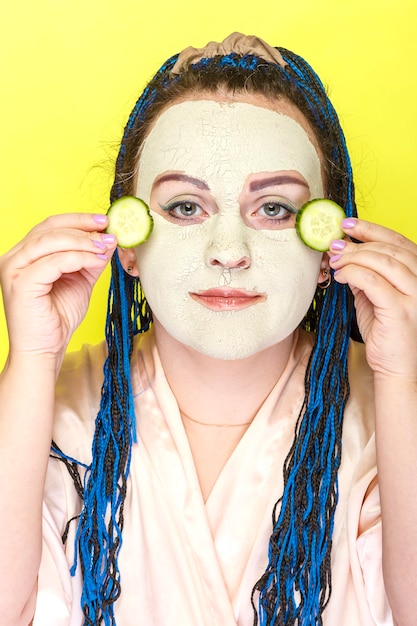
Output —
(278, 179)
(182, 178)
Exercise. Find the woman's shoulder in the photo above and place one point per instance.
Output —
(359, 418)
(361, 378)
(77, 399)
(79, 391)
(81, 374)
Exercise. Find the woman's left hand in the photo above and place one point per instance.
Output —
(382, 273)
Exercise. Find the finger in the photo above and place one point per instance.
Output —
(368, 231)
(403, 254)
(45, 243)
(87, 222)
(400, 271)
(379, 291)
(84, 222)
(40, 276)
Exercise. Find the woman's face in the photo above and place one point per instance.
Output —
(224, 271)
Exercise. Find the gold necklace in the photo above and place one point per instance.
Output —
(215, 425)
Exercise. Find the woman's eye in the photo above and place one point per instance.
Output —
(183, 210)
(276, 210)
(188, 209)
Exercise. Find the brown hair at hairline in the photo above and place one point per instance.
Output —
(266, 81)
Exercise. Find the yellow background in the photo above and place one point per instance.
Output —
(70, 71)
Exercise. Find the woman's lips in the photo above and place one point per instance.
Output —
(227, 299)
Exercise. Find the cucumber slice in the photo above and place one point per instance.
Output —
(318, 222)
(130, 221)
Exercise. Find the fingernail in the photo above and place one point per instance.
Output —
(102, 256)
(99, 244)
(335, 258)
(108, 238)
(349, 222)
(100, 219)
(338, 244)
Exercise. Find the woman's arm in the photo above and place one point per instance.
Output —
(396, 438)
(26, 412)
(46, 281)
(382, 273)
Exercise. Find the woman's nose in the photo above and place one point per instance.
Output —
(228, 245)
(239, 263)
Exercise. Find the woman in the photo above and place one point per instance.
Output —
(230, 407)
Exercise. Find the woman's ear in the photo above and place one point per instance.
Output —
(127, 259)
(324, 276)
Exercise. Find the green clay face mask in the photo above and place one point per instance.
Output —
(219, 274)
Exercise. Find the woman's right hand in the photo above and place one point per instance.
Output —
(47, 280)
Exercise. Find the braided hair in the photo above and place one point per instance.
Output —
(296, 585)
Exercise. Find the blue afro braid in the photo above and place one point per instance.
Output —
(297, 583)
(99, 532)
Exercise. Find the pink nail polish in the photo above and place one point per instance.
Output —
(102, 256)
(349, 222)
(335, 258)
(99, 244)
(100, 219)
(108, 238)
(338, 244)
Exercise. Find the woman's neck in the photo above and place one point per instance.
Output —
(210, 390)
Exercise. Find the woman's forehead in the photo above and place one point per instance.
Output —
(219, 141)
(279, 104)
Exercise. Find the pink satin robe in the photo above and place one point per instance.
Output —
(188, 563)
